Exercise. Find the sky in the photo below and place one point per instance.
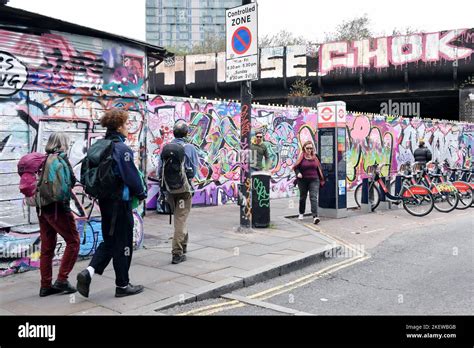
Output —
(308, 18)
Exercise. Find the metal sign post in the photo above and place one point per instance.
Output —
(242, 65)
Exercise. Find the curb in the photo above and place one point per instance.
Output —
(246, 279)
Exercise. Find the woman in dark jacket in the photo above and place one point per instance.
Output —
(309, 176)
(117, 216)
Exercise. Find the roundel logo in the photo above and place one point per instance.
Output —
(326, 113)
(340, 114)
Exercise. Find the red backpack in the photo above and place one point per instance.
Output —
(29, 167)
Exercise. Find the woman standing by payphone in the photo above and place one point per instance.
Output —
(309, 176)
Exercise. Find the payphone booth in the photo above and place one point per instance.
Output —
(332, 151)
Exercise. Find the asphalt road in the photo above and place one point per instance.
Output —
(423, 270)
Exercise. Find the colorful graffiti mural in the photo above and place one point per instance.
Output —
(215, 131)
(393, 140)
(67, 63)
(60, 82)
(421, 50)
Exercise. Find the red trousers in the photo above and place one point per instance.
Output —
(52, 224)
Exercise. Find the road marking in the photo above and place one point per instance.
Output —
(194, 311)
(280, 289)
(377, 230)
(266, 305)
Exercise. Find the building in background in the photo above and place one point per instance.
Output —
(185, 23)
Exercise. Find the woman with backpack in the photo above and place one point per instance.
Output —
(310, 177)
(119, 183)
(55, 217)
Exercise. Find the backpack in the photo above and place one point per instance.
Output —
(55, 182)
(97, 171)
(29, 168)
(173, 172)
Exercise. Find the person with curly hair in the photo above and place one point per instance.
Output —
(116, 214)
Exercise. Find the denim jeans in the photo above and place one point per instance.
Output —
(311, 186)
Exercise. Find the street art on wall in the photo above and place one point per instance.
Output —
(52, 82)
(215, 131)
(28, 118)
(67, 63)
(430, 51)
(393, 140)
(395, 50)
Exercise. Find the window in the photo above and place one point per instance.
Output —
(151, 20)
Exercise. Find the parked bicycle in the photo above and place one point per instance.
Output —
(417, 200)
(457, 176)
(445, 195)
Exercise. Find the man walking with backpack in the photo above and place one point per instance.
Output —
(109, 174)
(177, 166)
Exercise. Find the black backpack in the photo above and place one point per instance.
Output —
(173, 172)
(97, 173)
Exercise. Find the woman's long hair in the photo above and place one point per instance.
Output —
(301, 156)
(57, 142)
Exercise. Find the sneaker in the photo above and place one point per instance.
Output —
(129, 290)
(178, 259)
(48, 291)
(316, 220)
(83, 283)
(64, 286)
(300, 217)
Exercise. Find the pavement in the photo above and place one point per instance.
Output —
(220, 259)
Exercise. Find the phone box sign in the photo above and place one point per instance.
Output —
(331, 114)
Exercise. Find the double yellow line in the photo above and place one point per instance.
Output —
(278, 290)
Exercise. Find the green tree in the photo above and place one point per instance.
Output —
(281, 38)
(300, 88)
(353, 29)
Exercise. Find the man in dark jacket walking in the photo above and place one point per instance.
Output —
(422, 154)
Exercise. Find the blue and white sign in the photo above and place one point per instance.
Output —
(241, 43)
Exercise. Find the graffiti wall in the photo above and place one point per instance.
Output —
(393, 140)
(68, 63)
(60, 82)
(386, 58)
(215, 131)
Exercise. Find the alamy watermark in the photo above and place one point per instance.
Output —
(37, 331)
(400, 108)
(345, 251)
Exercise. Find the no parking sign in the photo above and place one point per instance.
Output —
(241, 43)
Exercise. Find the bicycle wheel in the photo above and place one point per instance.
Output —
(374, 195)
(465, 199)
(417, 200)
(445, 202)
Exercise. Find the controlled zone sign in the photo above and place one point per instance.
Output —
(241, 43)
